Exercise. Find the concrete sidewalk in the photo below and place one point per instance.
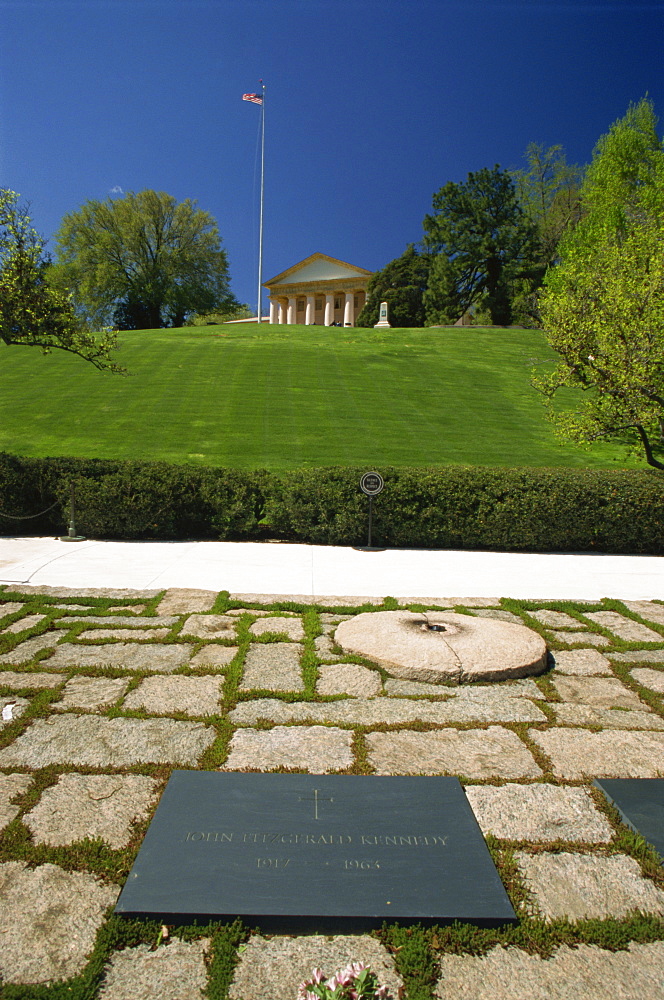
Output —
(318, 570)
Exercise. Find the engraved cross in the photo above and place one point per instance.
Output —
(316, 800)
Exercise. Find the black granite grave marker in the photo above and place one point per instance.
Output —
(640, 802)
(314, 853)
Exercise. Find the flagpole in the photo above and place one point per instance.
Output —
(260, 236)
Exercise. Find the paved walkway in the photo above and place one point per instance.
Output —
(284, 568)
(103, 692)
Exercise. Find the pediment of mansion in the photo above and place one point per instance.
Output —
(321, 290)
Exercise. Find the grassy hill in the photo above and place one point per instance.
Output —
(278, 397)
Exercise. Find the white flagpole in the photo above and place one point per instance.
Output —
(260, 237)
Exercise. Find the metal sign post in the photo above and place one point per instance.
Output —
(72, 535)
(371, 484)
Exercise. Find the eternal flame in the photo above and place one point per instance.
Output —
(320, 290)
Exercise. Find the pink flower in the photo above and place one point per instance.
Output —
(345, 976)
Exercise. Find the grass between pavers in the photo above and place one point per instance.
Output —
(416, 950)
(283, 397)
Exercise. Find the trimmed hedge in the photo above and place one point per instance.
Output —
(526, 510)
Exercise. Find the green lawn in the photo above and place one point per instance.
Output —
(276, 397)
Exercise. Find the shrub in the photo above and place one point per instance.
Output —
(523, 510)
(519, 510)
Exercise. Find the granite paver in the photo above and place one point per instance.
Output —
(91, 805)
(123, 621)
(273, 666)
(91, 693)
(499, 615)
(603, 692)
(325, 647)
(25, 650)
(158, 658)
(125, 634)
(184, 600)
(273, 968)
(538, 813)
(581, 662)
(607, 718)
(29, 679)
(584, 972)
(581, 639)
(350, 679)
(647, 609)
(292, 627)
(88, 741)
(579, 886)
(11, 785)
(402, 689)
(115, 593)
(210, 626)
(638, 656)
(213, 656)
(555, 619)
(23, 624)
(316, 749)
(379, 711)
(48, 921)
(624, 628)
(474, 753)
(653, 679)
(9, 608)
(577, 753)
(174, 971)
(174, 695)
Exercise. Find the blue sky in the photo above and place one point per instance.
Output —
(372, 105)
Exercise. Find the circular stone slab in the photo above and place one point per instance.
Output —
(467, 648)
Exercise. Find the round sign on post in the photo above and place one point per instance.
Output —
(372, 483)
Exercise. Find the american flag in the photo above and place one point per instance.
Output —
(254, 98)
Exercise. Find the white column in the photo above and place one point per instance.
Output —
(282, 316)
(349, 317)
(292, 306)
(273, 311)
(310, 310)
(329, 310)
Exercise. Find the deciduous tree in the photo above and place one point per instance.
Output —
(32, 312)
(549, 194)
(142, 259)
(603, 304)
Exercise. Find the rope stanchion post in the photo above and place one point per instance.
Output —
(71, 535)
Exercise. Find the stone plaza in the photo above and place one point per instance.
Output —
(104, 693)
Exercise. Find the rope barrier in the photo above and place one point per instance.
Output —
(28, 517)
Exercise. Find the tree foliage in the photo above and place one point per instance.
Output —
(142, 259)
(401, 284)
(484, 244)
(549, 194)
(32, 312)
(603, 304)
